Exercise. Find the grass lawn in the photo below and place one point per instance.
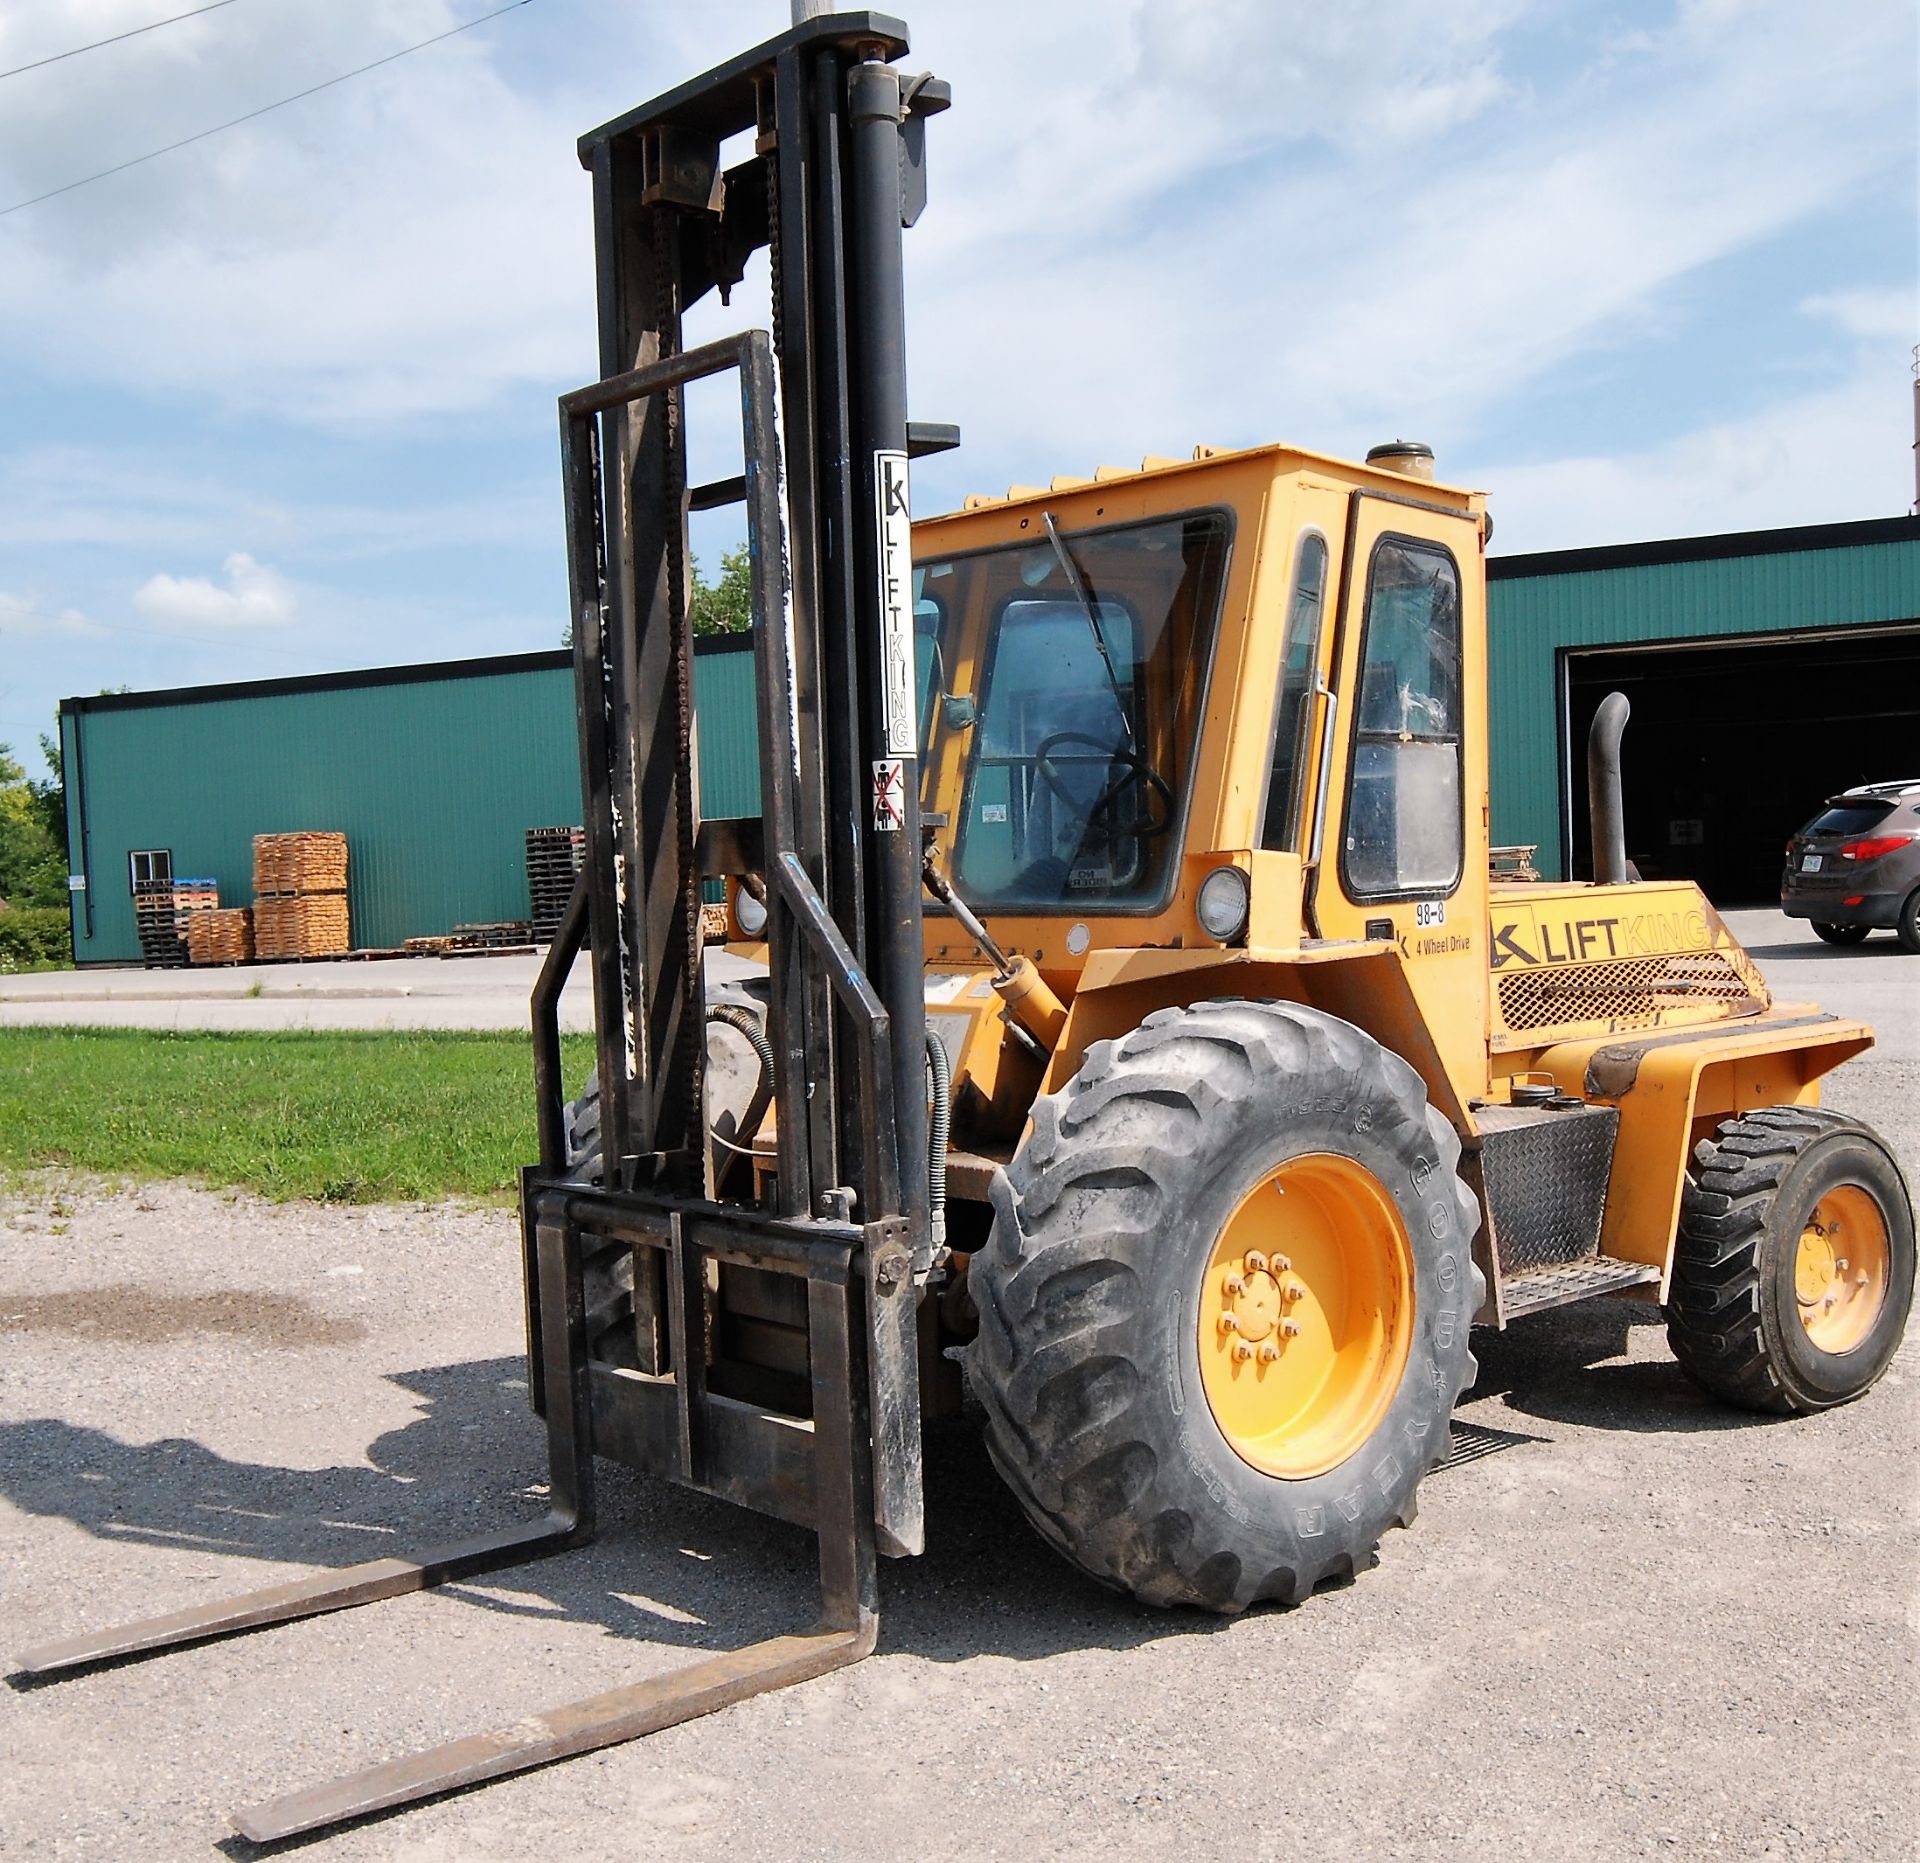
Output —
(350, 1118)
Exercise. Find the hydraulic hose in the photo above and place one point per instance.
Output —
(939, 1123)
(747, 1025)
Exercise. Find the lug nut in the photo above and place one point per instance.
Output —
(1840, 1266)
(1860, 1279)
(1241, 1350)
(1290, 1329)
(1279, 1264)
(1293, 1290)
(1233, 1285)
(1228, 1324)
(1255, 1261)
(1269, 1352)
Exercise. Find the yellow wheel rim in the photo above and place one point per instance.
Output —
(1841, 1268)
(1306, 1316)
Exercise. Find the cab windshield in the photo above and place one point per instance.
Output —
(1061, 686)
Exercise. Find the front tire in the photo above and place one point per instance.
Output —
(1840, 934)
(1793, 1268)
(1138, 1217)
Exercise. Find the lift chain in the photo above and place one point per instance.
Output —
(666, 272)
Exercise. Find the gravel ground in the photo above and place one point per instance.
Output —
(1639, 1626)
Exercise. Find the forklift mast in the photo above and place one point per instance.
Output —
(835, 171)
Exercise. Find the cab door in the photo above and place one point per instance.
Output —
(1402, 841)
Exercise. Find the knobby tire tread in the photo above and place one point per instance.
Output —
(1056, 1363)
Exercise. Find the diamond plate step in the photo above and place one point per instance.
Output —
(1565, 1282)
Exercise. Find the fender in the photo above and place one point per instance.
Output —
(1362, 983)
(1673, 1087)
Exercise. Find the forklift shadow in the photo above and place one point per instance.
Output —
(1578, 1365)
(669, 1566)
(1882, 944)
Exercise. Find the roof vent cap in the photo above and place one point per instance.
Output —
(1412, 457)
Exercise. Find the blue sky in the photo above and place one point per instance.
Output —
(283, 402)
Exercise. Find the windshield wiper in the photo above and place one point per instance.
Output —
(1077, 583)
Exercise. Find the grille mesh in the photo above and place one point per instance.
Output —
(1632, 990)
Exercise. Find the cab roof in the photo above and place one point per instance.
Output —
(1204, 458)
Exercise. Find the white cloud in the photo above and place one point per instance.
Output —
(23, 618)
(255, 597)
(413, 242)
(1870, 314)
(1166, 220)
(1826, 457)
(140, 497)
(1336, 297)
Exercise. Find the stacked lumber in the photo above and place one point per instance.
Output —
(222, 936)
(301, 925)
(306, 862)
(300, 895)
(427, 947)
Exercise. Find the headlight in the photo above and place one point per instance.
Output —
(749, 913)
(1222, 905)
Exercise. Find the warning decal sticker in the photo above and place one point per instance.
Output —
(889, 795)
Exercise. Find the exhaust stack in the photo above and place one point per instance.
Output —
(1604, 804)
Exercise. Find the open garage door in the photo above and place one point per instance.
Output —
(1733, 744)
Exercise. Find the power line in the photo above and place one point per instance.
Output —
(312, 90)
(40, 63)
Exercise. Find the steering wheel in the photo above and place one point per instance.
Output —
(1137, 772)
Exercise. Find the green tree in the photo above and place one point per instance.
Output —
(50, 797)
(34, 927)
(726, 606)
(722, 607)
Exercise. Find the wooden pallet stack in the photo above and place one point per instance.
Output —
(221, 937)
(157, 924)
(162, 912)
(495, 935)
(1512, 863)
(300, 895)
(554, 859)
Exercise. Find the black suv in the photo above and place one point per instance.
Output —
(1856, 866)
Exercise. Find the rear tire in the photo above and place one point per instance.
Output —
(1840, 934)
(1105, 1248)
(1907, 926)
(1748, 1313)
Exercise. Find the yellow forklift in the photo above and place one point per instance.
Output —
(1132, 1032)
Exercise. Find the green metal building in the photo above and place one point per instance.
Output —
(1766, 670)
(434, 773)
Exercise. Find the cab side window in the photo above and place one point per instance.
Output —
(1404, 830)
(1293, 710)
